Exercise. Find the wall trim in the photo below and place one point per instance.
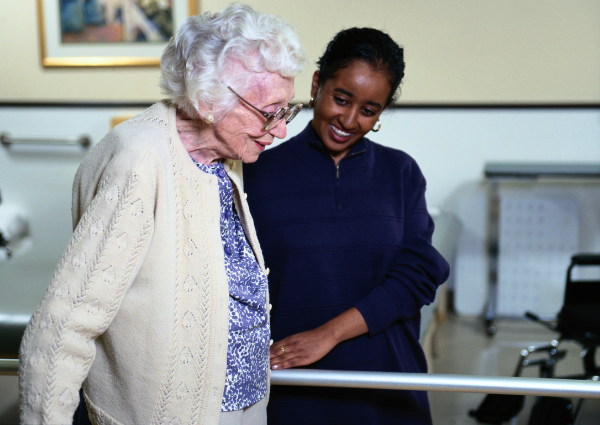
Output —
(117, 104)
(57, 104)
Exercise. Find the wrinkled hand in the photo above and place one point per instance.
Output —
(301, 349)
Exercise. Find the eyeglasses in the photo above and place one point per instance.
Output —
(289, 112)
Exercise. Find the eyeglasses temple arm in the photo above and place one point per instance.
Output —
(263, 113)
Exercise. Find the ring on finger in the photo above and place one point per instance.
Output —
(282, 348)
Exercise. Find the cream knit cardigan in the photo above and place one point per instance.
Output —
(138, 305)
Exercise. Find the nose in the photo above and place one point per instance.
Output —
(349, 119)
(280, 130)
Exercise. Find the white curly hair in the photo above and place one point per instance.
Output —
(200, 61)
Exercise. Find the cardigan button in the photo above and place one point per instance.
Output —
(270, 342)
(267, 271)
(270, 307)
(245, 196)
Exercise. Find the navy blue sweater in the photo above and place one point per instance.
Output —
(357, 234)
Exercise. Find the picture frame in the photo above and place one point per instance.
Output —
(110, 42)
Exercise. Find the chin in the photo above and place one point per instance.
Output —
(250, 158)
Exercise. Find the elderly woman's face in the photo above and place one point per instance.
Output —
(241, 131)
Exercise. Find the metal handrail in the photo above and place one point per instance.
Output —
(9, 366)
(439, 382)
(6, 140)
(420, 381)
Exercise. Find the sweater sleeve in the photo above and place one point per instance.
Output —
(415, 274)
(101, 261)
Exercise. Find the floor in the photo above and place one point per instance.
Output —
(462, 347)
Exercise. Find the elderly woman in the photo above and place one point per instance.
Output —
(159, 304)
(344, 227)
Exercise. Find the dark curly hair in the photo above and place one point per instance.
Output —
(365, 44)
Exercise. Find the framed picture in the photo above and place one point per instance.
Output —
(108, 32)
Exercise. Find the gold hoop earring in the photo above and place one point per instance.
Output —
(375, 130)
(311, 102)
(209, 118)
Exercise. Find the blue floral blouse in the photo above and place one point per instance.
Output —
(249, 331)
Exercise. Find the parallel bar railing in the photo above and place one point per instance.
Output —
(7, 140)
(9, 366)
(420, 381)
(439, 382)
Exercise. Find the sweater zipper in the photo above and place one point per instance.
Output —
(337, 177)
(338, 188)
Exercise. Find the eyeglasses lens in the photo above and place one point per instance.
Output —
(293, 111)
(288, 113)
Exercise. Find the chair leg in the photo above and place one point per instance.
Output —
(589, 361)
(577, 411)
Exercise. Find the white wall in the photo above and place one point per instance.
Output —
(451, 146)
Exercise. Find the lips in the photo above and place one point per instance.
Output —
(338, 135)
(340, 132)
(262, 145)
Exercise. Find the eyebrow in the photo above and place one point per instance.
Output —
(349, 94)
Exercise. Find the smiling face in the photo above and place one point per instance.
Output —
(347, 106)
(240, 134)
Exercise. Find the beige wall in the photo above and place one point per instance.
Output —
(498, 51)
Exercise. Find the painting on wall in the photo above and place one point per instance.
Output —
(108, 32)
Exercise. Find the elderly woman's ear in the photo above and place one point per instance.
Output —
(205, 113)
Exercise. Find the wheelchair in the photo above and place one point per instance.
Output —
(578, 321)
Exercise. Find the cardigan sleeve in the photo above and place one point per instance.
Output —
(415, 274)
(99, 264)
